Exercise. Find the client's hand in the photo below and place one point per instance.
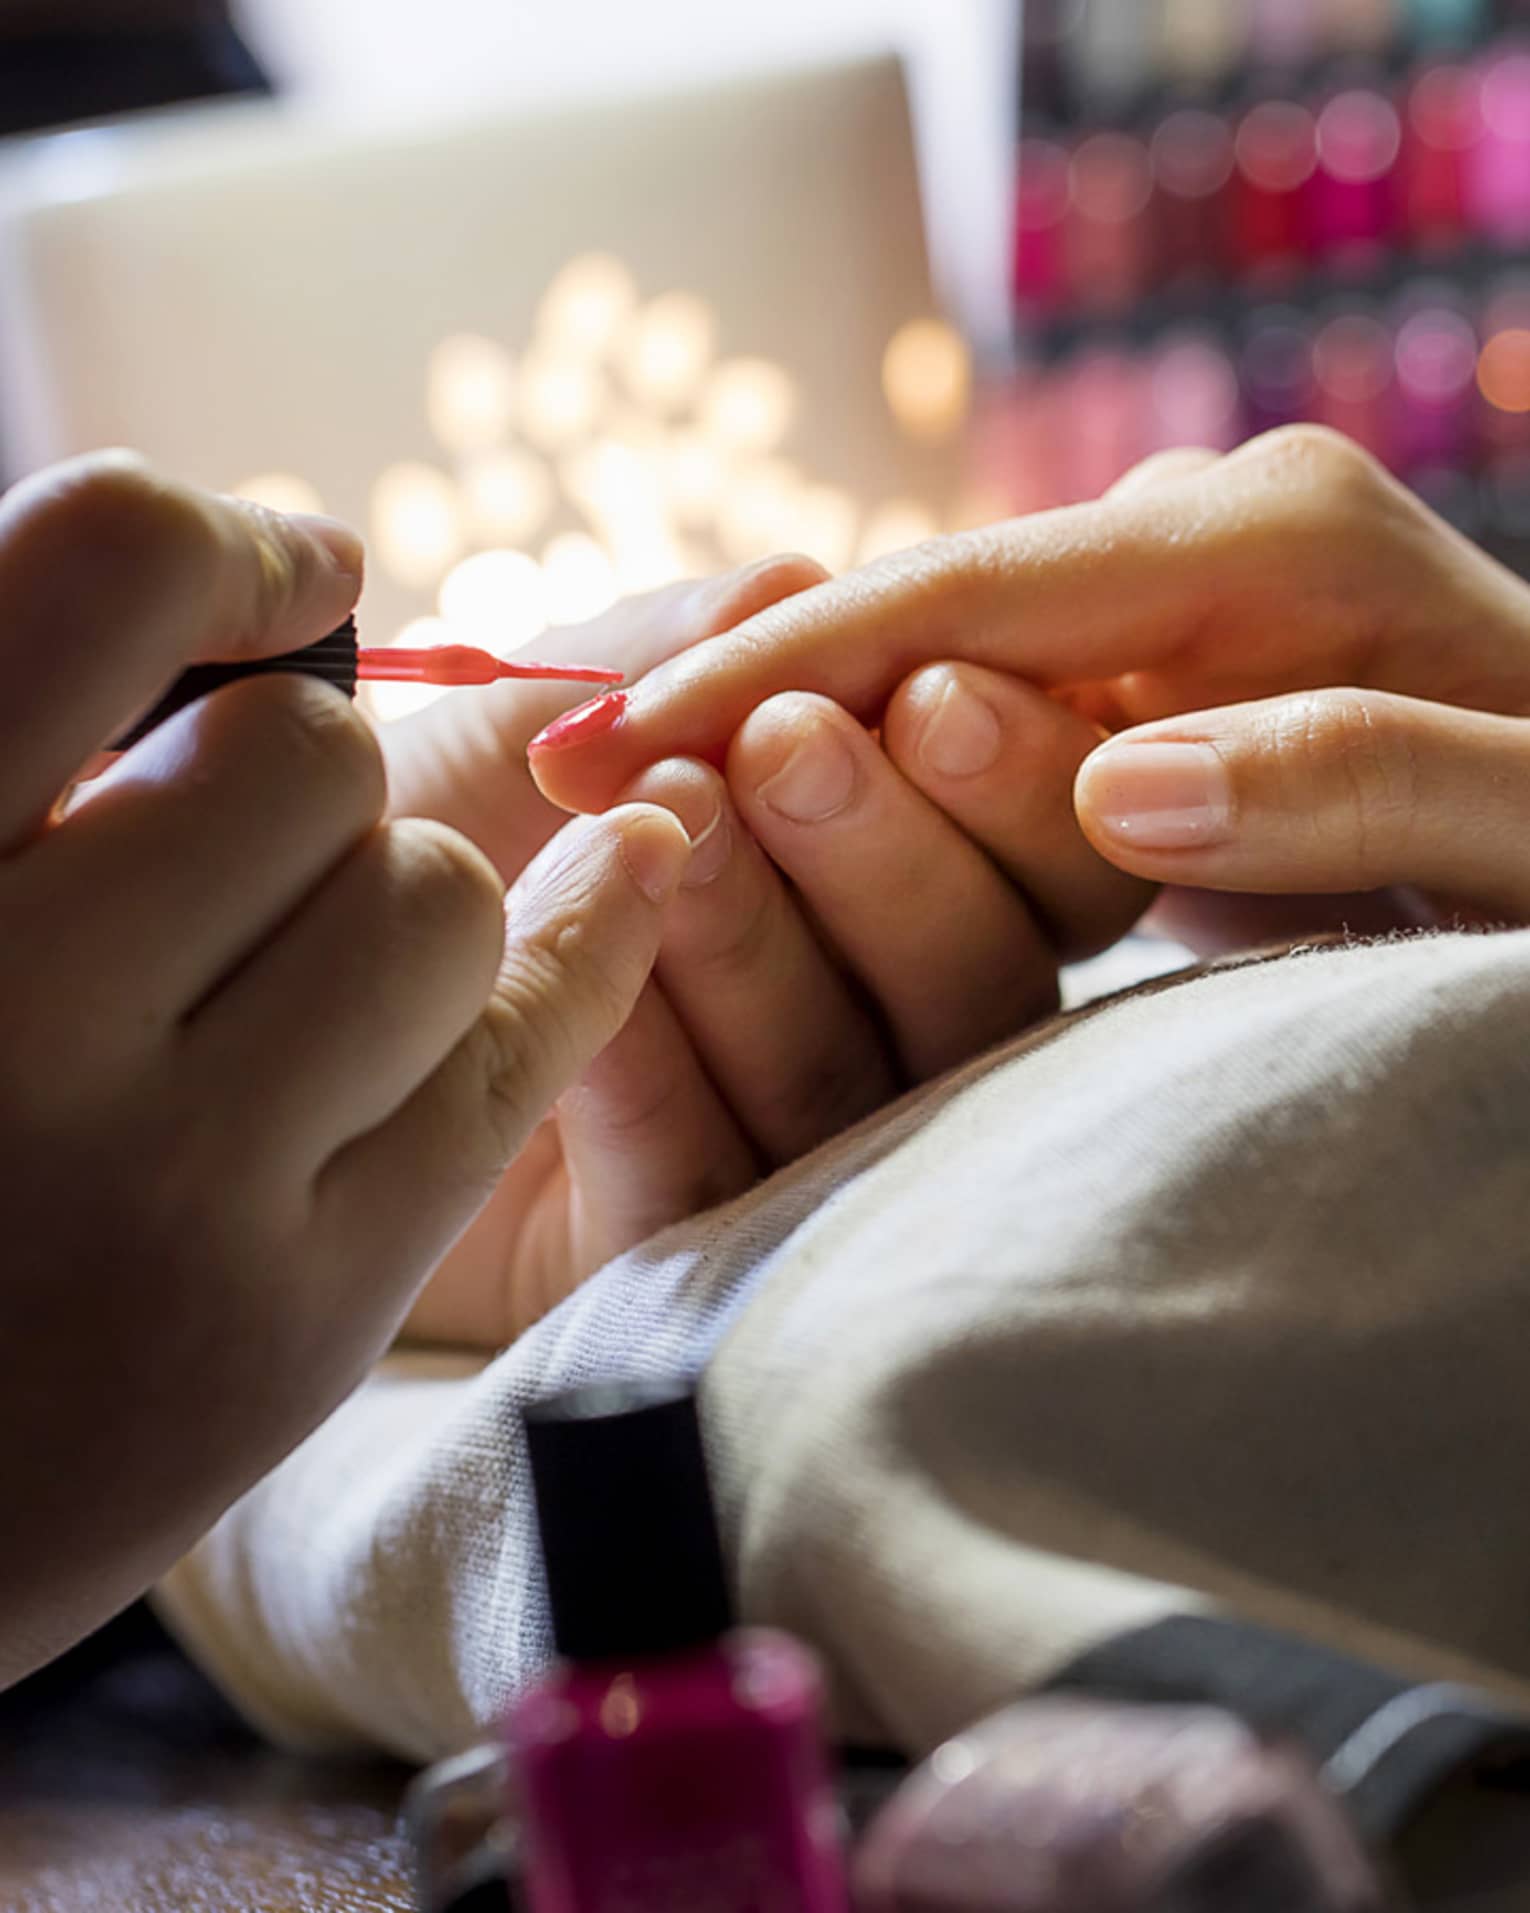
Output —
(1390, 658)
(836, 938)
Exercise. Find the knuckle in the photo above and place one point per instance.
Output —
(312, 734)
(739, 940)
(116, 513)
(827, 1092)
(445, 882)
(1324, 470)
(523, 1050)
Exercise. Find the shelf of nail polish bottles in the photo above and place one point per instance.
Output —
(1233, 214)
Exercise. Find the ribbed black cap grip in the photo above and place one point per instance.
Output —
(629, 1533)
(333, 659)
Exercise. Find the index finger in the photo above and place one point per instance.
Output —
(1041, 596)
(112, 579)
(1292, 563)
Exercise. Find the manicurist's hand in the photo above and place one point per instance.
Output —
(1368, 668)
(262, 1052)
(837, 936)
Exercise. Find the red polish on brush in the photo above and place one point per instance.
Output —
(341, 661)
(464, 664)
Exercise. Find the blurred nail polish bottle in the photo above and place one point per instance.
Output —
(1283, 34)
(1109, 246)
(667, 1760)
(1192, 162)
(1193, 394)
(1352, 377)
(1359, 139)
(1498, 166)
(1503, 369)
(1435, 356)
(1442, 125)
(1448, 22)
(1062, 1803)
(1041, 206)
(1275, 154)
(1275, 369)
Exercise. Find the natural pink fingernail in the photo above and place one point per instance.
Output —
(656, 855)
(961, 735)
(816, 780)
(1168, 796)
(710, 850)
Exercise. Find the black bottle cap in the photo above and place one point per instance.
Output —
(333, 659)
(629, 1533)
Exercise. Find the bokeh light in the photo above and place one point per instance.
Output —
(417, 523)
(667, 347)
(927, 376)
(280, 491)
(495, 598)
(579, 580)
(509, 496)
(587, 304)
(561, 399)
(1503, 370)
(748, 405)
(469, 393)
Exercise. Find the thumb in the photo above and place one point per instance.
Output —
(1324, 791)
(582, 930)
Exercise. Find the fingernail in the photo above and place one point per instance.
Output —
(815, 781)
(339, 543)
(656, 856)
(710, 850)
(1160, 796)
(961, 736)
(584, 722)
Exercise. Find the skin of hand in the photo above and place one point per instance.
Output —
(795, 991)
(1351, 675)
(262, 1052)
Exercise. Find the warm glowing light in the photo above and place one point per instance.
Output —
(560, 400)
(1503, 370)
(894, 527)
(280, 491)
(977, 506)
(693, 472)
(578, 577)
(586, 306)
(748, 405)
(667, 348)
(927, 375)
(509, 496)
(416, 523)
(495, 598)
(823, 525)
(613, 485)
(758, 512)
(388, 702)
(469, 393)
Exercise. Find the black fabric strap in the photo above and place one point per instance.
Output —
(1385, 1743)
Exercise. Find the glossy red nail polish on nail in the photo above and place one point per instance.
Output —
(584, 723)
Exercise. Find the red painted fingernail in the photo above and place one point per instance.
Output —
(584, 722)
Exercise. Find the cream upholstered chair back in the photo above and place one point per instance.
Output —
(542, 357)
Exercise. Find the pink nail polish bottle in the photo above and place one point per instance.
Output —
(667, 1760)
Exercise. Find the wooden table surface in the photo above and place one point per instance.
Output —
(127, 1786)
